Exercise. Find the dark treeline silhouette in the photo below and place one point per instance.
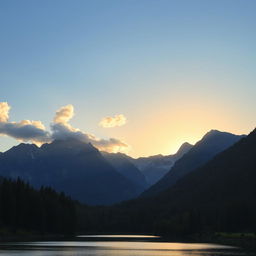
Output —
(22, 208)
(217, 197)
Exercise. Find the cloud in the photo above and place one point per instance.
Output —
(111, 145)
(61, 129)
(64, 114)
(4, 111)
(24, 130)
(109, 122)
(35, 131)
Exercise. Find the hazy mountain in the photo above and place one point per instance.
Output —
(155, 167)
(76, 168)
(211, 144)
(124, 166)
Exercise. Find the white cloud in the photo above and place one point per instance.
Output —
(35, 131)
(64, 114)
(4, 111)
(61, 129)
(109, 122)
(24, 130)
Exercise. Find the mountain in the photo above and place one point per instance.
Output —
(71, 166)
(155, 167)
(124, 166)
(184, 148)
(211, 144)
(223, 190)
(218, 196)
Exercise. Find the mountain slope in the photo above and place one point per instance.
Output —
(211, 144)
(155, 167)
(223, 191)
(125, 167)
(229, 175)
(76, 168)
(218, 196)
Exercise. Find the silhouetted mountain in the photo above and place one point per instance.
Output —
(223, 191)
(219, 196)
(184, 148)
(22, 152)
(71, 166)
(155, 167)
(211, 144)
(124, 166)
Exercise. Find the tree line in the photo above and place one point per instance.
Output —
(42, 211)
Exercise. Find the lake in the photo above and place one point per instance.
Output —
(116, 245)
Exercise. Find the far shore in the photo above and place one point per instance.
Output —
(245, 241)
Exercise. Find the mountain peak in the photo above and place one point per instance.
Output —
(205, 149)
(23, 147)
(214, 132)
(185, 147)
(68, 145)
(23, 152)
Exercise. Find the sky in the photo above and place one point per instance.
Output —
(150, 74)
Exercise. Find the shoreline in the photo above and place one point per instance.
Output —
(243, 242)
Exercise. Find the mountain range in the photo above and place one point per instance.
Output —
(98, 178)
(124, 165)
(155, 167)
(204, 150)
(71, 166)
(218, 196)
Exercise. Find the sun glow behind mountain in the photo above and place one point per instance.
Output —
(157, 133)
(154, 74)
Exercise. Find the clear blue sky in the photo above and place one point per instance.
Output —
(174, 68)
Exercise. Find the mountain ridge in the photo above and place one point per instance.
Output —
(218, 196)
(155, 167)
(212, 143)
(71, 166)
(124, 165)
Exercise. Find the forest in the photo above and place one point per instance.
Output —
(44, 211)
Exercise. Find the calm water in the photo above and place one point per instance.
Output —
(116, 245)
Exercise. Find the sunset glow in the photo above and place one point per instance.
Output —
(153, 80)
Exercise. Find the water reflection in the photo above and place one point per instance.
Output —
(116, 248)
(120, 236)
